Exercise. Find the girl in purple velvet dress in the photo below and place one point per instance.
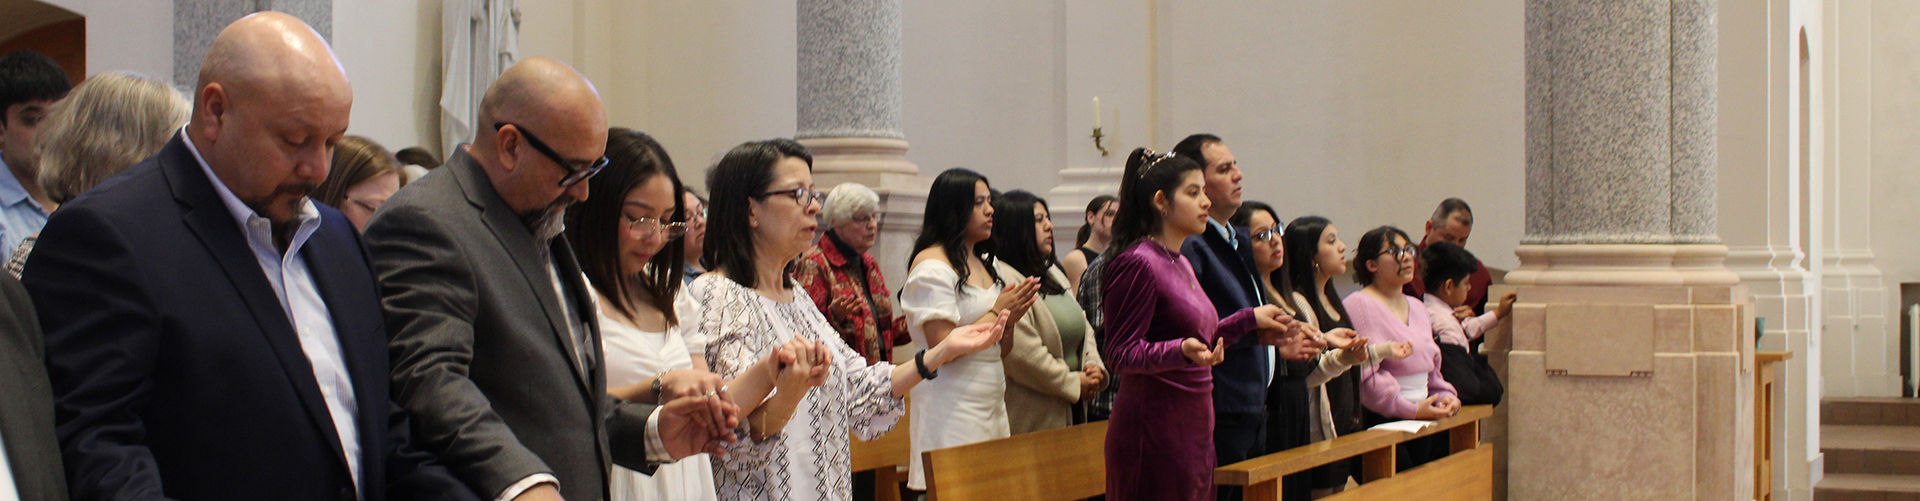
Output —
(1163, 336)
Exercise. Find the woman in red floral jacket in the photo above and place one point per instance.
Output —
(844, 281)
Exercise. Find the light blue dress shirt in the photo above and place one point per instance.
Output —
(20, 215)
(300, 299)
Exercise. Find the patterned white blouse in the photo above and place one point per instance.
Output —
(810, 459)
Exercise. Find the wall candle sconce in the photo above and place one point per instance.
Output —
(1096, 128)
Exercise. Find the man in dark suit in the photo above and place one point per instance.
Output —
(1222, 259)
(26, 421)
(496, 350)
(211, 332)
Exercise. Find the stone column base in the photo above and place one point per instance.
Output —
(881, 164)
(1629, 375)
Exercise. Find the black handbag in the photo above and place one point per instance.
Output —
(1470, 374)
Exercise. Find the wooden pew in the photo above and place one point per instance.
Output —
(885, 456)
(1060, 464)
(1464, 475)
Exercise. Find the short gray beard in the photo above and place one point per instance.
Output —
(549, 222)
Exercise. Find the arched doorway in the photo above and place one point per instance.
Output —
(59, 33)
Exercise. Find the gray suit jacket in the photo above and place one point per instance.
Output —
(26, 420)
(482, 355)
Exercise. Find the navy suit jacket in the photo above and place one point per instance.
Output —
(1240, 382)
(177, 374)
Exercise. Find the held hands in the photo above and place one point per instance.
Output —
(1275, 326)
(702, 423)
(688, 382)
(1300, 348)
(1198, 353)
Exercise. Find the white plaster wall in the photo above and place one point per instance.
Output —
(1367, 112)
(1896, 147)
(127, 36)
(391, 53)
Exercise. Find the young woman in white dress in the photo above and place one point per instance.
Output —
(622, 238)
(794, 443)
(951, 283)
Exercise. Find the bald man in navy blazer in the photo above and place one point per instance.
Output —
(212, 333)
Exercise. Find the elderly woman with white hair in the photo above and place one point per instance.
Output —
(110, 122)
(845, 282)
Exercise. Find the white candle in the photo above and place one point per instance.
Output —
(1096, 112)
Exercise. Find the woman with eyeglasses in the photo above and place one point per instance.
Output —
(845, 281)
(952, 283)
(1409, 388)
(624, 239)
(1299, 410)
(1054, 364)
(363, 175)
(793, 442)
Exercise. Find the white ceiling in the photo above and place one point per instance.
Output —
(21, 16)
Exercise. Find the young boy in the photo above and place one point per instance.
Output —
(1447, 267)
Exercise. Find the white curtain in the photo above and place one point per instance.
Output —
(479, 39)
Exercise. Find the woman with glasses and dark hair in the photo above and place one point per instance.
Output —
(794, 443)
(1054, 364)
(845, 281)
(1409, 388)
(952, 283)
(625, 242)
(1164, 335)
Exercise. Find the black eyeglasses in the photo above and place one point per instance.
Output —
(1269, 235)
(577, 170)
(803, 194)
(1402, 253)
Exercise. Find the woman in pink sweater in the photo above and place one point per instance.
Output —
(1408, 388)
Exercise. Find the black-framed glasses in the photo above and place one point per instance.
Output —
(1402, 252)
(650, 226)
(803, 194)
(577, 170)
(1270, 235)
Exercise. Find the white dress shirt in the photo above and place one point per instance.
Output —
(300, 299)
(8, 489)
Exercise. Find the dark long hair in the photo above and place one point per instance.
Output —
(634, 159)
(1017, 243)
(1282, 281)
(739, 179)
(949, 209)
(1147, 174)
(1301, 244)
(1098, 204)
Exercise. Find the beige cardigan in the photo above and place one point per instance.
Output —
(1041, 389)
